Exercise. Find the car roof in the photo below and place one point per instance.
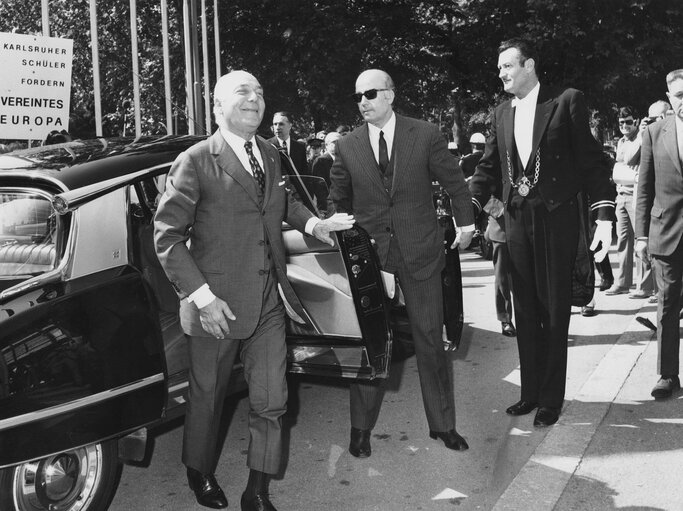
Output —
(84, 162)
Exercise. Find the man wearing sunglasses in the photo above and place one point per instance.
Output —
(625, 175)
(383, 173)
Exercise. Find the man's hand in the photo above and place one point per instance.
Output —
(641, 251)
(337, 222)
(214, 318)
(603, 234)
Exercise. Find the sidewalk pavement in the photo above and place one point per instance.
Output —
(614, 447)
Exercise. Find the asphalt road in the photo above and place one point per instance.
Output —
(407, 470)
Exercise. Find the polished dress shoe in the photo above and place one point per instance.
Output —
(508, 329)
(521, 408)
(451, 439)
(665, 387)
(256, 502)
(206, 489)
(606, 284)
(360, 443)
(546, 416)
(588, 311)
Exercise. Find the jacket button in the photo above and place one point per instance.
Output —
(388, 229)
(391, 203)
(554, 179)
(261, 243)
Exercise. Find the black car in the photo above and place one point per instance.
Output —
(92, 353)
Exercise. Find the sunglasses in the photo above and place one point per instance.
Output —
(627, 123)
(369, 94)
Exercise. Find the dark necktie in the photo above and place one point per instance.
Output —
(383, 154)
(284, 146)
(255, 167)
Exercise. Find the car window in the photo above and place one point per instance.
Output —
(27, 233)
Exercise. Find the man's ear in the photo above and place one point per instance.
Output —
(529, 64)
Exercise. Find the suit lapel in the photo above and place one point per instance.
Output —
(268, 166)
(401, 149)
(671, 142)
(228, 162)
(544, 109)
(365, 154)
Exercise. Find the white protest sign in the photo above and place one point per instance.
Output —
(35, 85)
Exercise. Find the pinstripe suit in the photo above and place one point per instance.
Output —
(237, 248)
(659, 218)
(397, 210)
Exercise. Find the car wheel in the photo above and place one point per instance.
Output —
(78, 480)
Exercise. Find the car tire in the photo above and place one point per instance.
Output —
(83, 479)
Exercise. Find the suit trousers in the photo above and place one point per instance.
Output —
(263, 356)
(501, 281)
(669, 275)
(424, 304)
(626, 218)
(542, 246)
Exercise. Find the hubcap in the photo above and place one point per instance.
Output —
(63, 482)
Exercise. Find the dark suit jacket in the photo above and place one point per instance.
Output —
(571, 159)
(659, 201)
(211, 200)
(321, 167)
(297, 152)
(419, 155)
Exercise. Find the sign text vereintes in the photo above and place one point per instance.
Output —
(35, 85)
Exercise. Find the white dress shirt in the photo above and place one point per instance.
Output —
(283, 143)
(389, 129)
(525, 112)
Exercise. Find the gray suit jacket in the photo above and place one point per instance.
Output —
(419, 156)
(211, 201)
(659, 201)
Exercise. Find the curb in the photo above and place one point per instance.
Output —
(540, 483)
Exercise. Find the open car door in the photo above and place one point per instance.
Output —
(347, 331)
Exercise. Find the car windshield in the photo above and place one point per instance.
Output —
(27, 234)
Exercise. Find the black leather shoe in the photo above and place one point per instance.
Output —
(360, 443)
(451, 439)
(256, 502)
(665, 387)
(521, 408)
(508, 329)
(546, 416)
(206, 489)
(606, 284)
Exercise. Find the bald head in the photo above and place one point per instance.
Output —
(377, 96)
(238, 103)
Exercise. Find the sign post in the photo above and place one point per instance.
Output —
(35, 85)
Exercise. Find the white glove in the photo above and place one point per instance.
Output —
(603, 233)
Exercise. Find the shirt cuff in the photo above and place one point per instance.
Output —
(202, 297)
(310, 224)
(467, 228)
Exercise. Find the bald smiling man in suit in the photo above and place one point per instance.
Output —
(226, 195)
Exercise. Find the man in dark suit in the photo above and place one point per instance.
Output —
(659, 227)
(226, 195)
(543, 154)
(383, 174)
(323, 163)
(282, 127)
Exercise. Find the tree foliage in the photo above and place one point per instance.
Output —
(307, 53)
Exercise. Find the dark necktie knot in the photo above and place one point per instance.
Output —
(256, 169)
(383, 153)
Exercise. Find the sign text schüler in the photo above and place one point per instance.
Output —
(35, 86)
